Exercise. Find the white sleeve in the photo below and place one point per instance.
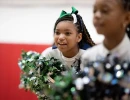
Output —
(87, 57)
(90, 55)
(84, 60)
(47, 52)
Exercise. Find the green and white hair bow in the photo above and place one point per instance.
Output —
(73, 13)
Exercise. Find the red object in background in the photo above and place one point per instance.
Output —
(10, 71)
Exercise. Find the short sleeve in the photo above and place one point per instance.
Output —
(47, 53)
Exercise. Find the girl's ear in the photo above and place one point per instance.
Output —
(79, 37)
(127, 19)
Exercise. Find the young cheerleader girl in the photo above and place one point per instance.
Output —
(71, 39)
(111, 19)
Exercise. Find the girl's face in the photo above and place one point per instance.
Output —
(109, 17)
(66, 37)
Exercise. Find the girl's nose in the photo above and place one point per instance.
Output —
(61, 36)
(97, 15)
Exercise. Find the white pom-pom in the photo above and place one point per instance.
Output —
(79, 84)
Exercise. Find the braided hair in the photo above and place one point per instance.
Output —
(126, 7)
(81, 28)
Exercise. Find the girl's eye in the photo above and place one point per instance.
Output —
(57, 33)
(94, 10)
(104, 10)
(67, 33)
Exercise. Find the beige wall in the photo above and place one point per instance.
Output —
(45, 2)
(28, 23)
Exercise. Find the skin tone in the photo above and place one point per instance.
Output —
(66, 38)
(110, 19)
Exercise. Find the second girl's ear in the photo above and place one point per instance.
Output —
(79, 37)
(127, 19)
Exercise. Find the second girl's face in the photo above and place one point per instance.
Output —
(108, 17)
(66, 37)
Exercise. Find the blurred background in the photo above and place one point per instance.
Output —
(28, 25)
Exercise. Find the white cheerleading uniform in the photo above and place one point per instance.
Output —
(50, 52)
(122, 50)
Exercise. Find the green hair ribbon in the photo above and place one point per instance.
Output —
(64, 13)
